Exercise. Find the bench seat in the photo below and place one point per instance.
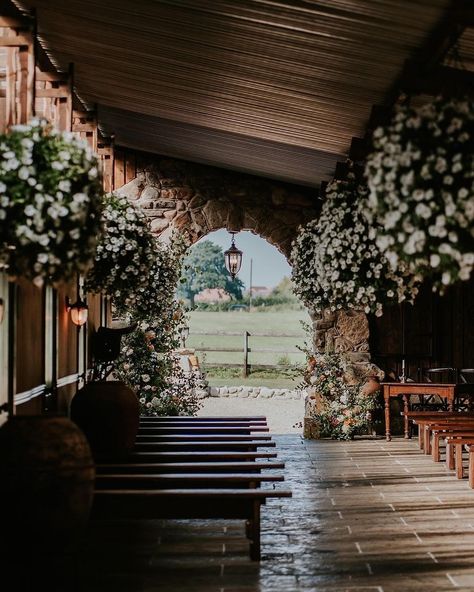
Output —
(136, 504)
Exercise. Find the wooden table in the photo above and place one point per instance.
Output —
(446, 391)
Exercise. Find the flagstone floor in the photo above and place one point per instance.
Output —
(366, 516)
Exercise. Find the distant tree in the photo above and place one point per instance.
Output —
(284, 290)
(204, 267)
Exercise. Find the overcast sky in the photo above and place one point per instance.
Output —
(269, 265)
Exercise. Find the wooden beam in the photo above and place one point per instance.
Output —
(15, 23)
(17, 41)
(358, 150)
(52, 93)
(437, 79)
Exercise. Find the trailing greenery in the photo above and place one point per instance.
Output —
(337, 262)
(125, 253)
(50, 203)
(148, 362)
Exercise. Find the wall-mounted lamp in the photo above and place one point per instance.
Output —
(2, 309)
(233, 258)
(79, 311)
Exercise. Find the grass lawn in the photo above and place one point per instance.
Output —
(270, 323)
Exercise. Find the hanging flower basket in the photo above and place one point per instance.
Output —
(336, 261)
(125, 253)
(421, 182)
(50, 203)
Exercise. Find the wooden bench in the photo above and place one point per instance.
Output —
(136, 504)
(194, 445)
(184, 480)
(201, 438)
(441, 431)
(191, 470)
(201, 430)
(423, 419)
(253, 419)
(187, 467)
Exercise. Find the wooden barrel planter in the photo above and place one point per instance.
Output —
(108, 413)
(46, 485)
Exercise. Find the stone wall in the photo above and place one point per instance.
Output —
(198, 199)
(346, 332)
(255, 392)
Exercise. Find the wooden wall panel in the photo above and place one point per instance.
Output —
(67, 332)
(29, 336)
(439, 332)
(33, 407)
(93, 323)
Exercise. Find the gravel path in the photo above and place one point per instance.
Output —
(281, 414)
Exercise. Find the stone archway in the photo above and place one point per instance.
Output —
(199, 199)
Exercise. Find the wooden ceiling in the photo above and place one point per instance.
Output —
(271, 87)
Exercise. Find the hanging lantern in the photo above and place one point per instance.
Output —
(233, 258)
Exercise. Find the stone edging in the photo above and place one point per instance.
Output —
(254, 392)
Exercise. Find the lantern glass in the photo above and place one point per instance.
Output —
(233, 259)
(79, 316)
(79, 312)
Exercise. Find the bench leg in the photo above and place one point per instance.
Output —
(471, 470)
(427, 444)
(450, 456)
(253, 532)
(458, 456)
(420, 437)
(435, 447)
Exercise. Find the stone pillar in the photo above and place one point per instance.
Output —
(344, 332)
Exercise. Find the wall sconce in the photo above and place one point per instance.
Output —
(233, 258)
(2, 309)
(79, 311)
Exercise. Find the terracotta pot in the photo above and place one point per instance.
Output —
(108, 412)
(371, 386)
(47, 484)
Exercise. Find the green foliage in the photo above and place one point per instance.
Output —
(148, 363)
(285, 291)
(344, 409)
(204, 267)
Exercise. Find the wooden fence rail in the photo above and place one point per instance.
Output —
(246, 349)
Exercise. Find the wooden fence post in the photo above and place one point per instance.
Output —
(246, 353)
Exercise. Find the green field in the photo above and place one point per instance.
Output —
(269, 323)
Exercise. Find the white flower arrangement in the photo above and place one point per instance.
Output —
(50, 203)
(336, 261)
(125, 253)
(421, 183)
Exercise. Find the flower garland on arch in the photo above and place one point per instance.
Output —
(421, 182)
(125, 253)
(148, 362)
(336, 261)
(50, 203)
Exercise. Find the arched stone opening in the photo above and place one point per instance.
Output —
(197, 199)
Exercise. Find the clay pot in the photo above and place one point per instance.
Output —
(47, 484)
(108, 413)
(371, 386)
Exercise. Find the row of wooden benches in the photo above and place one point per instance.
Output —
(192, 468)
(449, 432)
